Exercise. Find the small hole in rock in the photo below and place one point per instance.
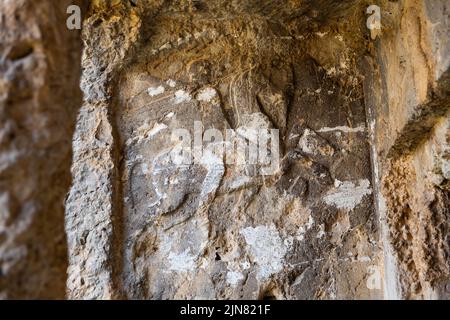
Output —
(268, 295)
(20, 51)
(97, 23)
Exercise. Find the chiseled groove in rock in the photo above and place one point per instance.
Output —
(118, 239)
(372, 86)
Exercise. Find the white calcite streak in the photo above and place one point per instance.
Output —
(266, 248)
(347, 195)
(171, 83)
(183, 262)
(206, 95)
(182, 96)
(154, 91)
(360, 128)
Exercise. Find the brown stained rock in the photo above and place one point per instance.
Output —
(418, 205)
(39, 99)
(358, 208)
(409, 123)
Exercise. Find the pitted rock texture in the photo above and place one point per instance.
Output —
(214, 229)
(354, 205)
(39, 98)
(329, 222)
(409, 109)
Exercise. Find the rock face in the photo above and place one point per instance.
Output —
(140, 226)
(39, 99)
(237, 150)
(409, 110)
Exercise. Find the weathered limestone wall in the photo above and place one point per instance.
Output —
(92, 210)
(408, 102)
(357, 208)
(212, 229)
(39, 99)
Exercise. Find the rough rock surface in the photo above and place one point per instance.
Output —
(357, 207)
(340, 218)
(214, 229)
(409, 109)
(39, 99)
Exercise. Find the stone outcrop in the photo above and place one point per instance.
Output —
(39, 98)
(408, 100)
(213, 229)
(356, 206)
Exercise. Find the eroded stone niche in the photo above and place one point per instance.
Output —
(140, 228)
(358, 208)
(213, 230)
